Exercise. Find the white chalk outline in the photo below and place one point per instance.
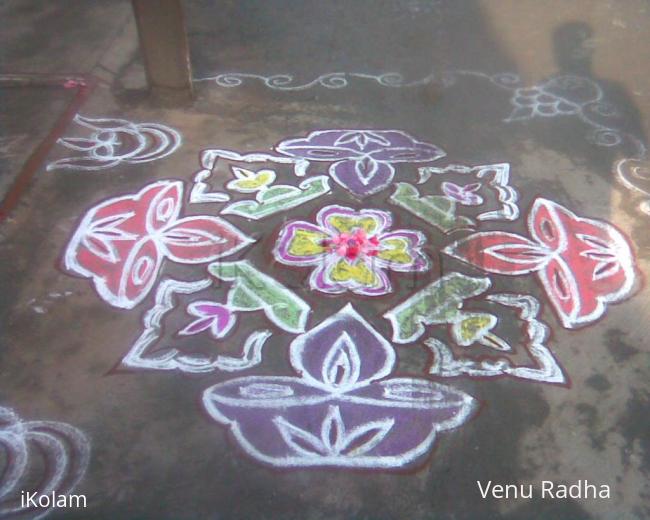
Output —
(338, 80)
(87, 225)
(244, 174)
(619, 244)
(483, 284)
(193, 310)
(507, 195)
(334, 426)
(261, 304)
(367, 135)
(602, 135)
(63, 446)
(383, 220)
(209, 158)
(464, 222)
(548, 370)
(275, 393)
(167, 138)
(234, 208)
(626, 170)
(298, 346)
(173, 359)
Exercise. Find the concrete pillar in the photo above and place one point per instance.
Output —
(163, 42)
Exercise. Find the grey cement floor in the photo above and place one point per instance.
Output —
(155, 454)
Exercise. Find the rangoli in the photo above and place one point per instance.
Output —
(418, 252)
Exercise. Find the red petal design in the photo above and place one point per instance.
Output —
(117, 243)
(562, 290)
(196, 240)
(544, 224)
(592, 255)
(124, 283)
(140, 271)
(164, 206)
(500, 252)
(111, 246)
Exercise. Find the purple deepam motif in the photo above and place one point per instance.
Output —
(362, 159)
(341, 410)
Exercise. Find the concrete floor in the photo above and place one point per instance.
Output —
(155, 453)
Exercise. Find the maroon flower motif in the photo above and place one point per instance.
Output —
(122, 242)
(582, 263)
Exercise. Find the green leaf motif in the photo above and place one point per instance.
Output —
(255, 291)
(240, 299)
(438, 303)
(434, 209)
(279, 198)
(277, 193)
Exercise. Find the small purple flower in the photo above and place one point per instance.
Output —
(341, 409)
(465, 195)
(363, 159)
(209, 315)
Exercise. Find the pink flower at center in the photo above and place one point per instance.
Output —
(352, 245)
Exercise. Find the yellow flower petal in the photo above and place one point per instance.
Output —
(395, 250)
(253, 182)
(359, 272)
(306, 243)
(347, 224)
(475, 326)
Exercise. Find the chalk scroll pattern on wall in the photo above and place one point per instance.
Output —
(41, 457)
(577, 96)
(116, 141)
(563, 95)
(339, 80)
(342, 404)
(634, 174)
